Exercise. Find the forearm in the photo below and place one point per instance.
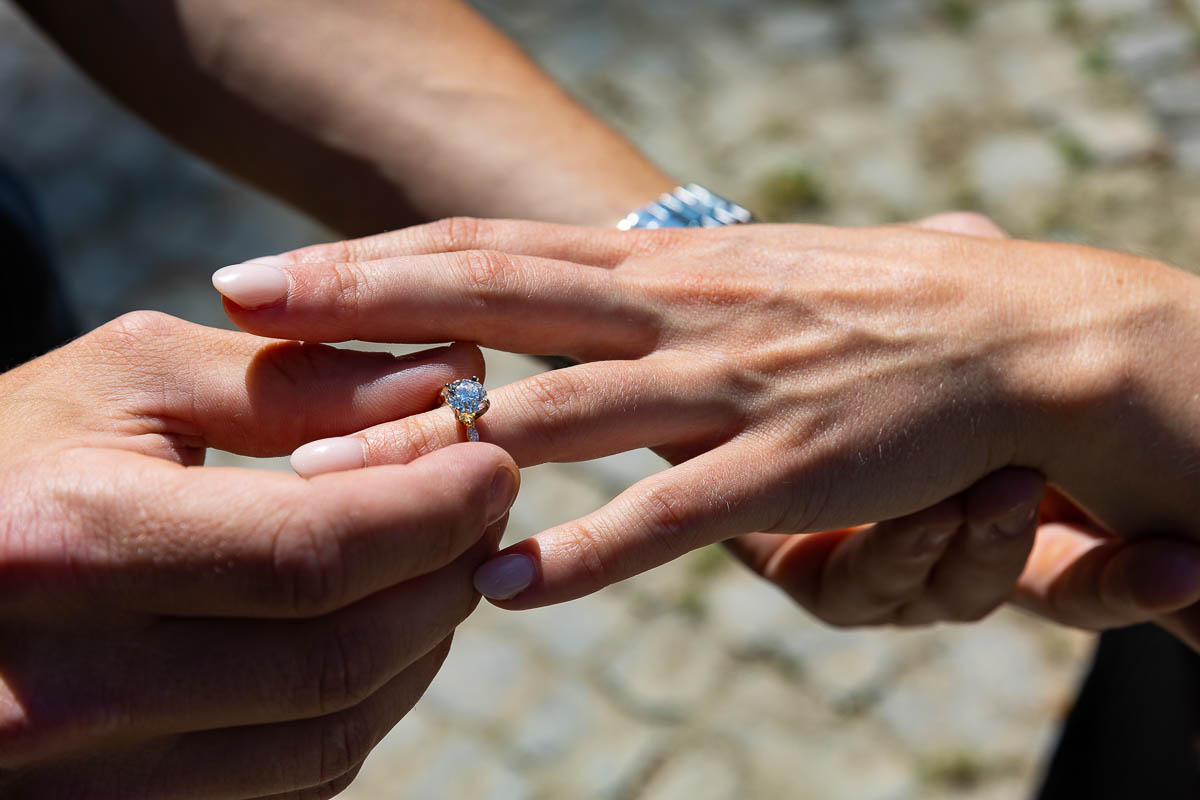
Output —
(369, 115)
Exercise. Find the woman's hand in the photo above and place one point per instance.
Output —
(168, 630)
(801, 378)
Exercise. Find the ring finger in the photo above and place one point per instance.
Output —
(582, 412)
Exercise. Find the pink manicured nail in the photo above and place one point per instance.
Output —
(252, 285)
(329, 455)
(270, 261)
(505, 577)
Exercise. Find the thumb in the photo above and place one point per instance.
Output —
(1086, 580)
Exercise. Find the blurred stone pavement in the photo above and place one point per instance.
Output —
(1075, 120)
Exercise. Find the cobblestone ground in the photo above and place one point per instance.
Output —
(1070, 120)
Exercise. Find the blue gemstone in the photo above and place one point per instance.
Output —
(466, 396)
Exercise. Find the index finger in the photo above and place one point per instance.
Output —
(510, 302)
(137, 534)
(707, 499)
(600, 247)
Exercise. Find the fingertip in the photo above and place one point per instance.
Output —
(485, 471)
(472, 358)
(1156, 575)
(252, 285)
(503, 491)
(335, 454)
(505, 576)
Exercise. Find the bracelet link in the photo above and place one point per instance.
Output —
(690, 206)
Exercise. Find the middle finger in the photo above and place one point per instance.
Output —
(517, 303)
(582, 412)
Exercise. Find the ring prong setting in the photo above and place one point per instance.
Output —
(469, 400)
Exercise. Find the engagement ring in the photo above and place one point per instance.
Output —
(469, 400)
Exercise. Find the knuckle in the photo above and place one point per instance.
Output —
(660, 241)
(668, 523)
(550, 392)
(142, 325)
(968, 222)
(808, 496)
(310, 572)
(486, 274)
(405, 441)
(137, 331)
(346, 670)
(326, 251)
(972, 218)
(454, 233)
(557, 400)
(581, 540)
(349, 285)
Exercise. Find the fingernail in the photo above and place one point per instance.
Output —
(329, 455)
(502, 494)
(252, 285)
(505, 577)
(932, 541)
(1162, 577)
(1017, 522)
(270, 261)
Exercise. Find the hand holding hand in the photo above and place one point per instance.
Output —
(997, 542)
(171, 631)
(800, 378)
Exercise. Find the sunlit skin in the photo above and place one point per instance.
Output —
(172, 630)
(379, 159)
(806, 379)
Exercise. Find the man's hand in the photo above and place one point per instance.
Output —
(169, 630)
(1005, 539)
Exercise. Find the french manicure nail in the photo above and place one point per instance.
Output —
(505, 577)
(329, 455)
(501, 494)
(252, 285)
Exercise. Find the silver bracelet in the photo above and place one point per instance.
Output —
(690, 206)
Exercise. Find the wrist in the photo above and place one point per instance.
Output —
(1076, 318)
(1107, 392)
